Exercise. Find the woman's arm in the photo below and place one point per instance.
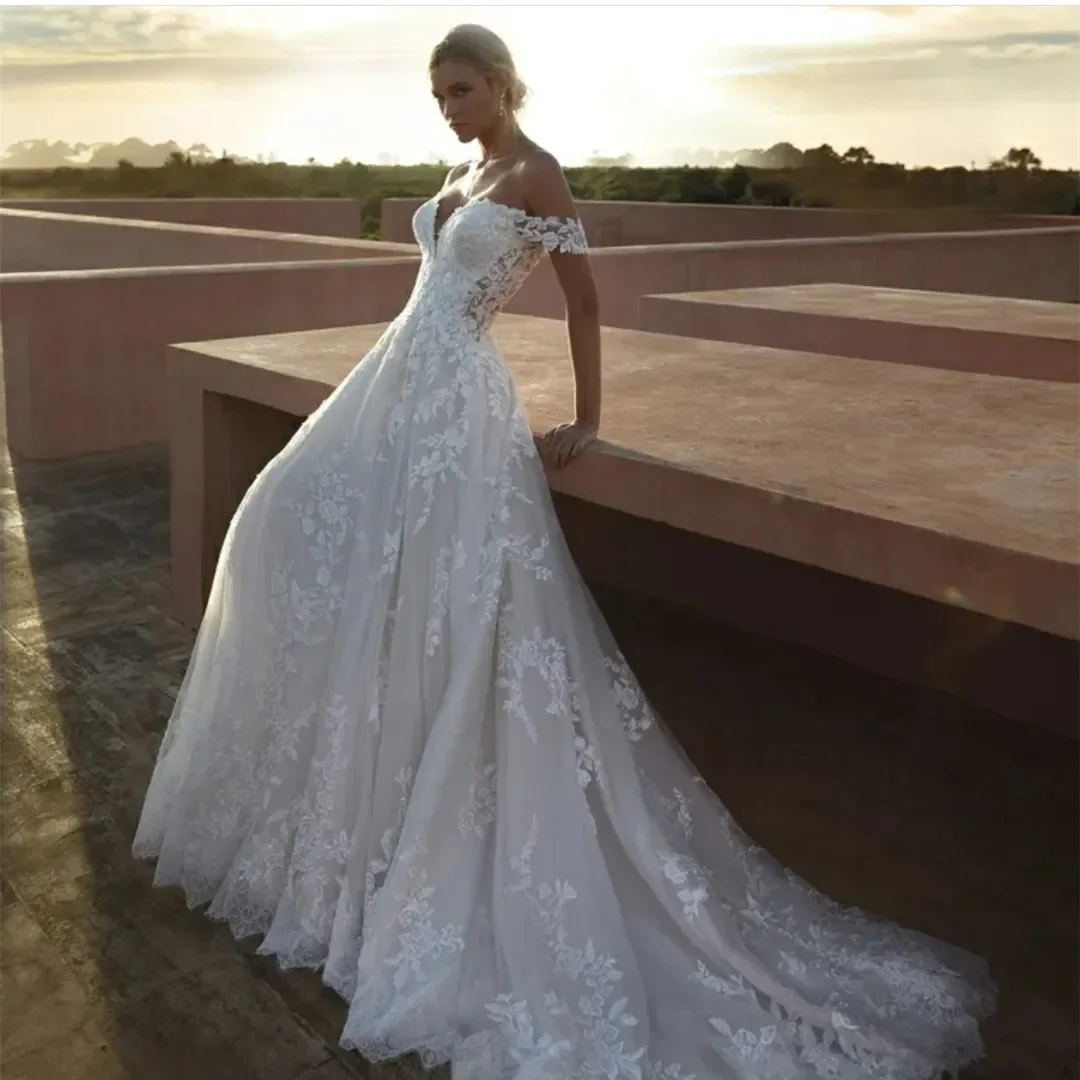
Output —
(547, 194)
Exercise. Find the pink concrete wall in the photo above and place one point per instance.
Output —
(618, 224)
(871, 335)
(94, 379)
(36, 241)
(1001, 666)
(1030, 264)
(316, 217)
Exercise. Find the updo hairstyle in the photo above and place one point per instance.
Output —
(483, 50)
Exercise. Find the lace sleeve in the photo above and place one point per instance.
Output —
(566, 235)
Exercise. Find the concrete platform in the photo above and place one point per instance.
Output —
(959, 489)
(1028, 339)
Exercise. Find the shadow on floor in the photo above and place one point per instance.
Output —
(105, 976)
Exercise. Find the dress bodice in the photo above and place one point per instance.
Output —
(476, 259)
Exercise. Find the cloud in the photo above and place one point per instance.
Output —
(72, 45)
(715, 73)
(982, 71)
(54, 34)
(1033, 44)
(1031, 49)
(77, 45)
(947, 24)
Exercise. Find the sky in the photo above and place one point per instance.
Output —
(931, 85)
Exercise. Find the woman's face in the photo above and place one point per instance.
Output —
(466, 99)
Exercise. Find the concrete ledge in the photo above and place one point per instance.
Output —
(624, 223)
(309, 217)
(959, 489)
(94, 380)
(995, 336)
(1030, 264)
(42, 241)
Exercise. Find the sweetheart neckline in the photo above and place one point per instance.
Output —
(437, 228)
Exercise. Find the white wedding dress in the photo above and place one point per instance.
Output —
(408, 752)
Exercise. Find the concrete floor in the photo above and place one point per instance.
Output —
(952, 821)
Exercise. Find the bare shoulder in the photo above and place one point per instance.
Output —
(540, 165)
(544, 184)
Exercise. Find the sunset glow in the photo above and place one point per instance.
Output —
(925, 85)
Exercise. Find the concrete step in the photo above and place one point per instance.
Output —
(1027, 339)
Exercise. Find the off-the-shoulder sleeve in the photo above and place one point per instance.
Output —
(566, 235)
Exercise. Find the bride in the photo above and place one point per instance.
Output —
(407, 751)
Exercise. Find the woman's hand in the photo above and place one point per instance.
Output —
(564, 443)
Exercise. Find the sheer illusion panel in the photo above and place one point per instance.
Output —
(565, 235)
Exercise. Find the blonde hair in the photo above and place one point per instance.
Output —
(486, 52)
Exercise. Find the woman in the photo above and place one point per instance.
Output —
(408, 752)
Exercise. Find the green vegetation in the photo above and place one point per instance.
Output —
(783, 176)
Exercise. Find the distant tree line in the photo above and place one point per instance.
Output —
(784, 176)
(42, 154)
(785, 155)
(39, 154)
